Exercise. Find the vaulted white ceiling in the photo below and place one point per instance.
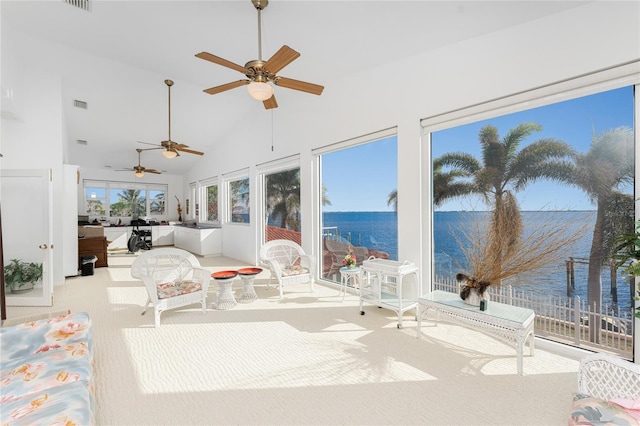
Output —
(116, 57)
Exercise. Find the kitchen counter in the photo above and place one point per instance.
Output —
(200, 239)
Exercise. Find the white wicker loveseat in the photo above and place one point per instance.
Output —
(288, 263)
(608, 392)
(173, 278)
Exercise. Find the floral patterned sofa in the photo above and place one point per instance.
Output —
(46, 371)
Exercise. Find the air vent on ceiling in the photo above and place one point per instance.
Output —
(79, 104)
(81, 142)
(80, 4)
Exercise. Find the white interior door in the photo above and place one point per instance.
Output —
(27, 232)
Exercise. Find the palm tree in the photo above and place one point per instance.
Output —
(239, 199)
(504, 171)
(283, 197)
(130, 202)
(602, 172)
(325, 199)
(446, 185)
(392, 199)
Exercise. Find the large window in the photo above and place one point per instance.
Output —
(238, 200)
(282, 205)
(117, 200)
(359, 202)
(549, 189)
(209, 201)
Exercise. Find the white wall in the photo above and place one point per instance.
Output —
(33, 140)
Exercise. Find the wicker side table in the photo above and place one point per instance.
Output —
(225, 289)
(348, 275)
(247, 275)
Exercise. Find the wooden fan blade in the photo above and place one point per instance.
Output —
(189, 151)
(281, 59)
(270, 103)
(303, 86)
(147, 143)
(175, 146)
(225, 87)
(220, 61)
(152, 171)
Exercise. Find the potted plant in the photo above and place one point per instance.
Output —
(21, 276)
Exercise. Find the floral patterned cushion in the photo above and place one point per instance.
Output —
(71, 404)
(166, 290)
(294, 270)
(52, 334)
(25, 376)
(46, 372)
(587, 410)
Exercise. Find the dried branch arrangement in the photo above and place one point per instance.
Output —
(499, 253)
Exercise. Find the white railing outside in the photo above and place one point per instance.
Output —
(565, 320)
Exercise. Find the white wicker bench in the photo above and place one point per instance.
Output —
(511, 324)
(288, 263)
(605, 382)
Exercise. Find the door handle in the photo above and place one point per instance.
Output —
(43, 246)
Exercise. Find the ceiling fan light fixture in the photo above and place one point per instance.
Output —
(169, 153)
(139, 174)
(260, 91)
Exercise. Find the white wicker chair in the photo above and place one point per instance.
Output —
(607, 377)
(173, 278)
(288, 263)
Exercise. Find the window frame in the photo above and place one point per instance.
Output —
(264, 169)
(317, 153)
(204, 201)
(227, 195)
(109, 185)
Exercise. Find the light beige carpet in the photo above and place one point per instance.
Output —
(306, 359)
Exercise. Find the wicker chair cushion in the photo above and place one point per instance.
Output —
(587, 410)
(166, 290)
(294, 270)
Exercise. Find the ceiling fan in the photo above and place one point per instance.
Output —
(171, 148)
(259, 72)
(139, 170)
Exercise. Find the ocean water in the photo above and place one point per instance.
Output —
(452, 228)
(379, 231)
(374, 230)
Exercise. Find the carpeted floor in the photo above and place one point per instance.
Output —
(307, 359)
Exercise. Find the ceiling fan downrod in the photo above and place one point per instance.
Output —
(260, 5)
(169, 83)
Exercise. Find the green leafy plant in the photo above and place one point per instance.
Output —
(627, 256)
(18, 274)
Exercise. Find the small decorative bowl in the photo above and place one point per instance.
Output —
(222, 275)
(249, 271)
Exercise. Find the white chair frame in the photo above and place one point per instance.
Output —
(164, 265)
(607, 377)
(278, 255)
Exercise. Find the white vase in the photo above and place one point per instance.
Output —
(475, 298)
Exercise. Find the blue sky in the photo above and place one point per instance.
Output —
(573, 122)
(360, 178)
